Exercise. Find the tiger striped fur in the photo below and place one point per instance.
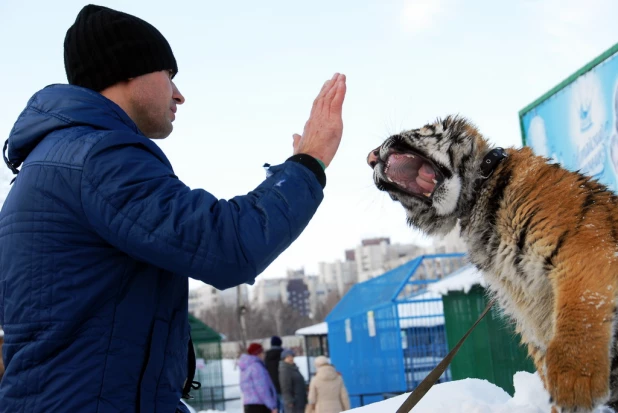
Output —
(544, 238)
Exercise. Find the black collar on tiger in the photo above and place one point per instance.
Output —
(491, 161)
(488, 166)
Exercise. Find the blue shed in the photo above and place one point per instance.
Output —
(387, 333)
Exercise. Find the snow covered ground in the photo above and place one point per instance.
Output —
(477, 396)
(469, 395)
(461, 396)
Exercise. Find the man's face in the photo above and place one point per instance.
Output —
(153, 99)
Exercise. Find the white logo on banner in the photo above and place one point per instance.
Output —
(587, 124)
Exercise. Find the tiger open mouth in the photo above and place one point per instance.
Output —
(412, 173)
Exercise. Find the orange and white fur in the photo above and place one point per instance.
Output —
(545, 239)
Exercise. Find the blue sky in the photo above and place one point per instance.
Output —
(250, 70)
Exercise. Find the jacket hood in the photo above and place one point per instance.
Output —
(62, 106)
(247, 360)
(327, 372)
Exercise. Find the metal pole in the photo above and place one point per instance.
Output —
(308, 353)
(241, 318)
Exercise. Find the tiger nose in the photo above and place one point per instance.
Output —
(372, 158)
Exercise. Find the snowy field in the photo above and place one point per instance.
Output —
(461, 396)
(477, 396)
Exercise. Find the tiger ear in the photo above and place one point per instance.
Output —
(452, 124)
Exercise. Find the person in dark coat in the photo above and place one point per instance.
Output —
(272, 359)
(293, 387)
(99, 236)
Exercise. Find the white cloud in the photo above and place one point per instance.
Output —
(420, 15)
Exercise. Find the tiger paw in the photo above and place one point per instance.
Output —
(577, 380)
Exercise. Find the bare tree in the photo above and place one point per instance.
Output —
(324, 308)
(276, 318)
(223, 319)
(242, 311)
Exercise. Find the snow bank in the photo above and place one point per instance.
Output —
(474, 395)
(461, 280)
(461, 396)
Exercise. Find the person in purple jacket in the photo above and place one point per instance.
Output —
(258, 390)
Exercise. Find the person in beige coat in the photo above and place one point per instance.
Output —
(327, 393)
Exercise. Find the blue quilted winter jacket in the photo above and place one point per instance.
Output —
(97, 239)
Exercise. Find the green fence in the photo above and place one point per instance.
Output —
(209, 371)
(492, 352)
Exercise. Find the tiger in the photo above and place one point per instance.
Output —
(544, 238)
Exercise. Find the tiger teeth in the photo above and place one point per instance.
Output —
(434, 181)
(408, 155)
(389, 179)
(427, 194)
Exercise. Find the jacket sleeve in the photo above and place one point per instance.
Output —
(132, 199)
(313, 392)
(263, 386)
(287, 386)
(344, 396)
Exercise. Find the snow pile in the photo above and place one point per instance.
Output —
(461, 396)
(476, 396)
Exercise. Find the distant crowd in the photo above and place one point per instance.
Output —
(270, 382)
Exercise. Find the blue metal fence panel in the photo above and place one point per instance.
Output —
(421, 318)
(373, 293)
(387, 333)
(368, 355)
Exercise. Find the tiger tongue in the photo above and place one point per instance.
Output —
(426, 177)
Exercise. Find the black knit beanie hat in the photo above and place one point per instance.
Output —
(105, 46)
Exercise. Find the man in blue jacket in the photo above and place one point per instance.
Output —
(98, 235)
